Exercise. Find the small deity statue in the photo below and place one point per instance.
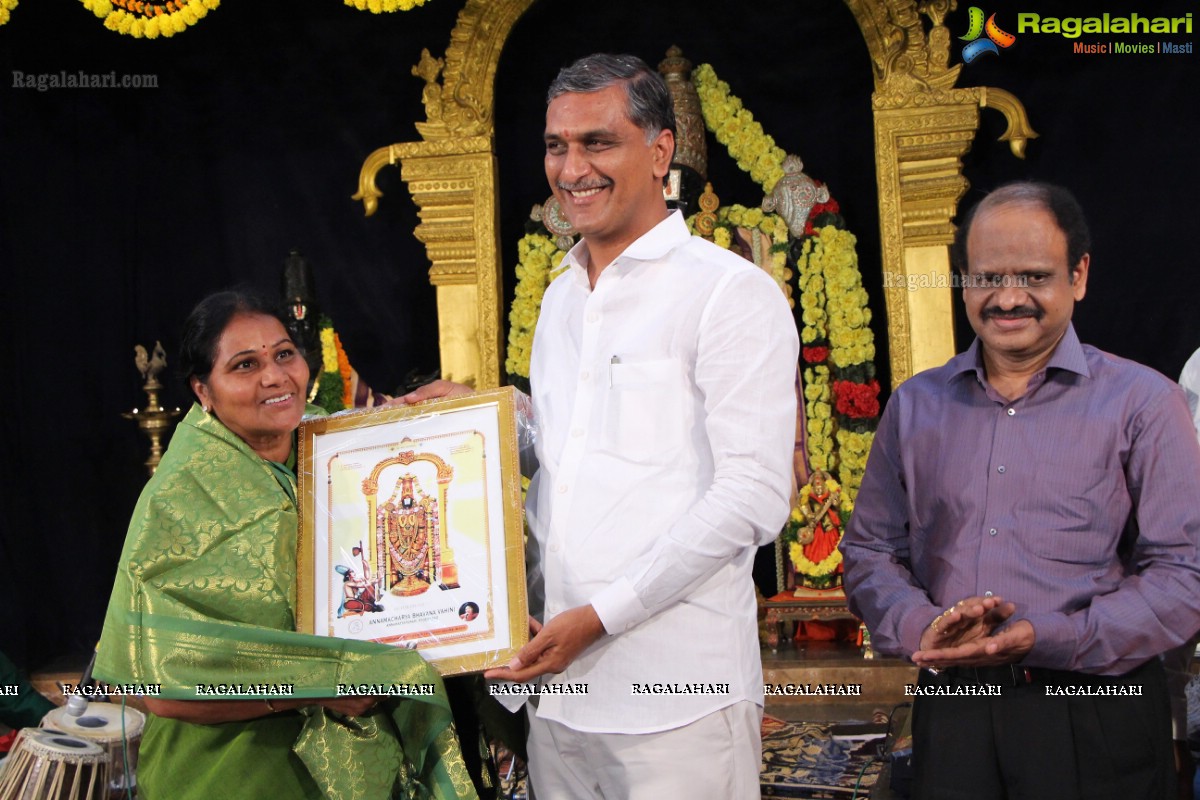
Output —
(298, 289)
(794, 196)
(822, 529)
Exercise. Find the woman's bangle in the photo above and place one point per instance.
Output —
(271, 706)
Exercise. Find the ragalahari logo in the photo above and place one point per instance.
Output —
(996, 38)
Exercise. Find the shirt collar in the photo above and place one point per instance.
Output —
(1068, 355)
(653, 244)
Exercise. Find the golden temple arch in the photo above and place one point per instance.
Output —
(923, 126)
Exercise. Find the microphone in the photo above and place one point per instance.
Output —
(77, 704)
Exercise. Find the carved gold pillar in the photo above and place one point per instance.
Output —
(918, 152)
(451, 175)
(453, 183)
(923, 126)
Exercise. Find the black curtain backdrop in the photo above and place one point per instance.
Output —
(122, 207)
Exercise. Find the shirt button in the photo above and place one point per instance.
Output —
(554, 547)
(993, 532)
(583, 376)
(987, 594)
(1000, 469)
(577, 432)
(562, 488)
(593, 317)
(1012, 411)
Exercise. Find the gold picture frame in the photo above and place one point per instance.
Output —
(411, 530)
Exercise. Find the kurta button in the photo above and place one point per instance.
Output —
(1000, 469)
(577, 432)
(583, 376)
(987, 594)
(554, 547)
(562, 488)
(993, 532)
(593, 317)
(1012, 411)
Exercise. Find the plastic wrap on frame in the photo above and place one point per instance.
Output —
(527, 433)
(412, 527)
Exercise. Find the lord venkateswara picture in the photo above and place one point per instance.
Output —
(411, 529)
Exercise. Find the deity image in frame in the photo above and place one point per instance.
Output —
(408, 515)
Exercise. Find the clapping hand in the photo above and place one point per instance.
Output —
(972, 633)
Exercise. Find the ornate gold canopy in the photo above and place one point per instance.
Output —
(923, 126)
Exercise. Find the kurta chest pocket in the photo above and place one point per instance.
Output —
(644, 410)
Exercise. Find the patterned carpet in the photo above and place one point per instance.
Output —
(800, 760)
(805, 760)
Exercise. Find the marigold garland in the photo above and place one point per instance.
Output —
(382, 6)
(735, 127)
(539, 262)
(333, 384)
(344, 371)
(6, 6)
(841, 393)
(150, 20)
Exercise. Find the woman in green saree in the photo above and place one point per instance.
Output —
(205, 597)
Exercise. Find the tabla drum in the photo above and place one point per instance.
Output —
(101, 723)
(48, 765)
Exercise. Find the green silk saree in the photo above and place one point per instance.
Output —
(205, 594)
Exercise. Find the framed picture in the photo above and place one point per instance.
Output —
(411, 530)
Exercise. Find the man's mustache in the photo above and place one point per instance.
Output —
(1020, 312)
(583, 186)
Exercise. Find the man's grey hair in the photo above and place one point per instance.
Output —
(649, 104)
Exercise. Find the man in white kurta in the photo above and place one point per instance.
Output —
(662, 376)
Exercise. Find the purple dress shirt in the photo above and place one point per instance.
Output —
(1079, 502)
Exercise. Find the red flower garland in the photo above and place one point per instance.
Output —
(856, 400)
(817, 210)
(816, 354)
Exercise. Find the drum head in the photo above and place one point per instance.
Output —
(57, 746)
(101, 722)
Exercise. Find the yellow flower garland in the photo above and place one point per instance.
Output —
(824, 567)
(381, 6)
(835, 309)
(817, 394)
(832, 301)
(331, 390)
(540, 261)
(150, 20)
(6, 6)
(735, 127)
(329, 361)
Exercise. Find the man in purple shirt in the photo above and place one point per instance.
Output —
(1029, 520)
